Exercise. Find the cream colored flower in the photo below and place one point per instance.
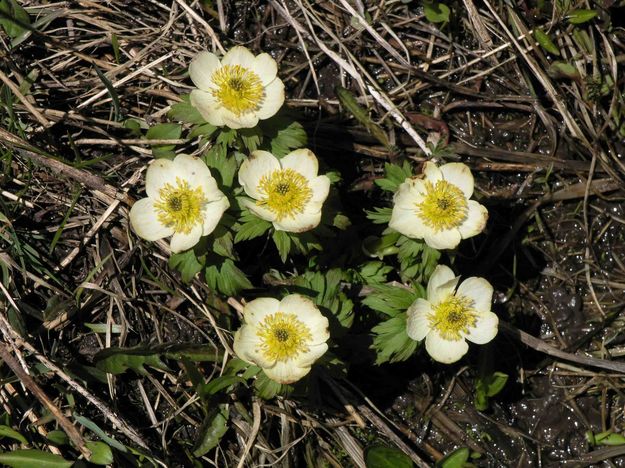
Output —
(436, 206)
(288, 192)
(451, 316)
(237, 91)
(284, 338)
(183, 201)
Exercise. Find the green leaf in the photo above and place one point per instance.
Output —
(284, 133)
(184, 112)
(545, 42)
(205, 130)
(604, 438)
(6, 431)
(227, 278)
(559, 69)
(267, 388)
(93, 427)
(391, 342)
(250, 227)
(374, 272)
(217, 159)
(193, 352)
(390, 300)
(101, 454)
(348, 100)
(379, 456)
(186, 263)
(380, 247)
(223, 243)
(581, 16)
(251, 138)
(119, 360)
(380, 215)
(487, 387)
(111, 91)
(31, 458)
(13, 17)
(164, 131)
(226, 137)
(394, 176)
(456, 459)
(218, 384)
(436, 12)
(212, 430)
(58, 437)
(283, 244)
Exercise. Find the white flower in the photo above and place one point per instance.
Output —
(436, 206)
(284, 338)
(237, 91)
(449, 317)
(183, 201)
(288, 191)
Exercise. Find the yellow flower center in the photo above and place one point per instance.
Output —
(180, 206)
(283, 336)
(285, 192)
(238, 89)
(453, 317)
(444, 207)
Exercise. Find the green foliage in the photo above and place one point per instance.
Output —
(380, 215)
(417, 260)
(6, 431)
(545, 42)
(223, 167)
(186, 263)
(379, 456)
(581, 16)
(560, 69)
(391, 300)
(251, 138)
(164, 131)
(226, 278)
(282, 240)
(213, 428)
(604, 438)
(487, 387)
(101, 454)
(348, 100)
(394, 175)
(184, 112)
(374, 272)
(218, 384)
(459, 458)
(391, 342)
(250, 227)
(13, 18)
(268, 389)
(32, 458)
(380, 247)
(284, 135)
(436, 12)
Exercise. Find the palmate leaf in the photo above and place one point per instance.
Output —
(391, 300)
(391, 342)
(284, 135)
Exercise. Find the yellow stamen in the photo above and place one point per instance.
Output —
(285, 192)
(283, 336)
(453, 317)
(238, 89)
(444, 207)
(180, 207)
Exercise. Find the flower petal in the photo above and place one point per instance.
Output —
(183, 241)
(445, 239)
(212, 213)
(246, 120)
(247, 346)
(195, 172)
(409, 194)
(442, 283)
(255, 311)
(208, 108)
(258, 210)
(308, 313)
(443, 350)
(309, 358)
(201, 70)
(302, 161)
(286, 372)
(406, 222)
(273, 100)
(431, 172)
(144, 221)
(479, 290)
(320, 187)
(300, 222)
(417, 321)
(239, 55)
(475, 222)
(265, 67)
(258, 164)
(485, 328)
(159, 173)
(459, 175)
